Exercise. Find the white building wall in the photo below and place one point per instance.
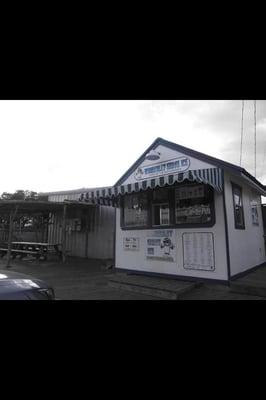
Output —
(246, 246)
(136, 260)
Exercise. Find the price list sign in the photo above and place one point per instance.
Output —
(198, 251)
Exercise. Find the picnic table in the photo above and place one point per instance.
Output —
(35, 249)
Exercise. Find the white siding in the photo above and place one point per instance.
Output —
(246, 246)
(136, 260)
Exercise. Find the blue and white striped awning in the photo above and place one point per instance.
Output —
(110, 195)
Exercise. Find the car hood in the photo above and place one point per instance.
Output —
(20, 281)
(7, 274)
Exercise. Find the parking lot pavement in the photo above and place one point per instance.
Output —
(78, 279)
(217, 292)
(85, 279)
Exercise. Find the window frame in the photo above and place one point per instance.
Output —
(157, 204)
(172, 206)
(239, 188)
(122, 214)
(212, 207)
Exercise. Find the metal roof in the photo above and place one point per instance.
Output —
(27, 206)
(72, 191)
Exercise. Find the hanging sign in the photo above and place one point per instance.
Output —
(180, 164)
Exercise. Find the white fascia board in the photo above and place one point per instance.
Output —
(253, 184)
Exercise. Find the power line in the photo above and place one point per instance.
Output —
(242, 127)
(263, 161)
(255, 138)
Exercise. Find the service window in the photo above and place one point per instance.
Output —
(160, 214)
(238, 207)
(136, 210)
(194, 205)
(160, 207)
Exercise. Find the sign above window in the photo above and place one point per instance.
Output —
(173, 166)
(189, 192)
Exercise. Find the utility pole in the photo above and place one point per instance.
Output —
(242, 127)
(255, 138)
(10, 234)
(64, 233)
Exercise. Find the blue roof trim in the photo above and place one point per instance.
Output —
(136, 163)
(193, 153)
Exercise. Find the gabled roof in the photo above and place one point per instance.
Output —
(235, 169)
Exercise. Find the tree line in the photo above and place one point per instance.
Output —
(22, 195)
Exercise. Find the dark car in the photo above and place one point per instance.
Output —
(17, 286)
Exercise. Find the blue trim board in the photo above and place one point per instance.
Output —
(136, 163)
(226, 234)
(170, 276)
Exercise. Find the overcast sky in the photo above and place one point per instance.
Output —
(61, 145)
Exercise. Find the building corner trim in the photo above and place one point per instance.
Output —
(226, 232)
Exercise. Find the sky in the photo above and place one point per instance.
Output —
(53, 145)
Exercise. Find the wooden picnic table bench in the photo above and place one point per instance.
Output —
(15, 252)
(39, 250)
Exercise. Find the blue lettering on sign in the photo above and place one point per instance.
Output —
(170, 165)
(177, 165)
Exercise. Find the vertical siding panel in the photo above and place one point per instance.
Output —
(99, 240)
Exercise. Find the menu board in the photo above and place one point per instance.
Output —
(161, 245)
(198, 251)
(131, 243)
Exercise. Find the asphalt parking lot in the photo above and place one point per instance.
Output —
(85, 279)
(77, 279)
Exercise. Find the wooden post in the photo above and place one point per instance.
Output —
(64, 234)
(88, 216)
(10, 234)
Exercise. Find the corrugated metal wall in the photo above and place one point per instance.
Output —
(62, 197)
(96, 238)
(101, 233)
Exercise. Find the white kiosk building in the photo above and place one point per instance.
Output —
(185, 214)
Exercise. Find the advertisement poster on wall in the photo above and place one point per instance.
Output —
(254, 213)
(161, 245)
(131, 243)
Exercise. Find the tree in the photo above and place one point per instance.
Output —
(20, 195)
(6, 196)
